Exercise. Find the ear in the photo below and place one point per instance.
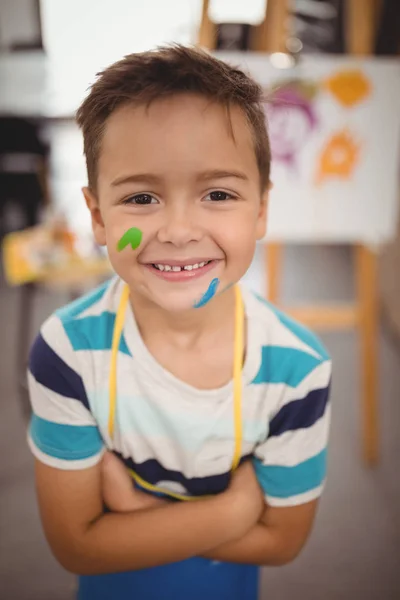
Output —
(261, 226)
(93, 205)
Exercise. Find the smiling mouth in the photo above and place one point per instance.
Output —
(183, 271)
(178, 268)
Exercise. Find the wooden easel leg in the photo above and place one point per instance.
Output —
(366, 276)
(360, 34)
(270, 35)
(208, 31)
(273, 261)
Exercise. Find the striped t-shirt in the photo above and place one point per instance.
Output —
(171, 434)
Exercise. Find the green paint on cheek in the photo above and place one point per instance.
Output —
(132, 238)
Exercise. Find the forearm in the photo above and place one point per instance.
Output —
(259, 546)
(147, 538)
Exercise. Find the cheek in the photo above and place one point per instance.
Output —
(116, 224)
(125, 240)
(239, 239)
(121, 261)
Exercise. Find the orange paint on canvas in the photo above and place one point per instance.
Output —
(338, 158)
(349, 87)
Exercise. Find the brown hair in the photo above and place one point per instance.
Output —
(145, 77)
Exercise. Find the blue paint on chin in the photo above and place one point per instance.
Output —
(210, 293)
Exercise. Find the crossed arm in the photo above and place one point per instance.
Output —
(234, 526)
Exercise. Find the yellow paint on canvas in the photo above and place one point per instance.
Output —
(349, 87)
(338, 158)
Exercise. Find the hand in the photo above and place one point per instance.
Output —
(245, 491)
(119, 494)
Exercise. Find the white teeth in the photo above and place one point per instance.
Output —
(176, 268)
(195, 266)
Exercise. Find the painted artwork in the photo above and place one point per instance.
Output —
(348, 86)
(293, 116)
(292, 119)
(338, 158)
(334, 128)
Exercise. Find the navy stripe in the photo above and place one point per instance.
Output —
(52, 372)
(153, 472)
(300, 414)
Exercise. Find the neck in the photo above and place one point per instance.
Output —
(188, 327)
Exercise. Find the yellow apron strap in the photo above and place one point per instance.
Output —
(237, 382)
(237, 377)
(118, 326)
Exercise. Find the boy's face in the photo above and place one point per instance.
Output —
(174, 171)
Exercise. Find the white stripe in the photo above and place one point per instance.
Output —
(96, 368)
(285, 338)
(296, 500)
(317, 379)
(159, 416)
(275, 332)
(294, 447)
(53, 407)
(65, 465)
(108, 302)
(95, 310)
(54, 335)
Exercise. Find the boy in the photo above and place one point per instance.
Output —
(178, 168)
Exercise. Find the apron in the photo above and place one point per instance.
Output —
(195, 578)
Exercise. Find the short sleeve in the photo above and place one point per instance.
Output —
(63, 432)
(291, 464)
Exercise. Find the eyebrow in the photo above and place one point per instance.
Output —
(205, 176)
(138, 178)
(216, 174)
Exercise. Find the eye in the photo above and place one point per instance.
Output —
(140, 199)
(219, 196)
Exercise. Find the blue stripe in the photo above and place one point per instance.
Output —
(94, 333)
(153, 472)
(52, 372)
(77, 307)
(284, 365)
(301, 332)
(300, 414)
(68, 442)
(284, 482)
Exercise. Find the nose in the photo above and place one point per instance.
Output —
(180, 225)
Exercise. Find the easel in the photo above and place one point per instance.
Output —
(269, 36)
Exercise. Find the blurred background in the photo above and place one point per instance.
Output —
(347, 289)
